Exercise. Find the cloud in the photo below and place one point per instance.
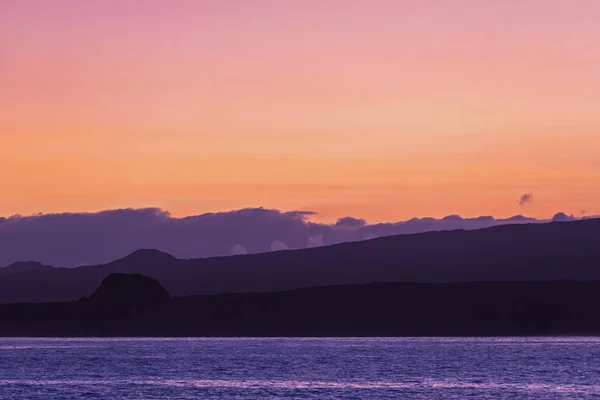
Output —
(350, 222)
(591, 216)
(526, 199)
(279, 246)
(562, 217)
(73, 239)
(369, 236)
(238, 249)
(315, 241)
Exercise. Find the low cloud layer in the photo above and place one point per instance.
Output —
(562, 217)
(95, 238)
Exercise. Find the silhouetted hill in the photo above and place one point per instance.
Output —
(554, 251)
(127, 290)
(145, 256)
(388, 309)
(25, 266)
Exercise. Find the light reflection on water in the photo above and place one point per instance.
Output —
(423, 368)
(258, 384)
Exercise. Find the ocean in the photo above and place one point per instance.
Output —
(282, 368)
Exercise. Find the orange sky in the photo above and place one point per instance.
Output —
(378, 109)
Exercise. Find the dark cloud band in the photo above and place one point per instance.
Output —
(92, 238)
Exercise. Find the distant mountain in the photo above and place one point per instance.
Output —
(25, 266)
(553, 251)
(136, 305)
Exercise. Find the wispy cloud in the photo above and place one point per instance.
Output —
(526, 199)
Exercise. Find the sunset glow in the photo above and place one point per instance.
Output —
(379, 109)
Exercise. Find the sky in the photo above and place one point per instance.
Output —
(379, 109)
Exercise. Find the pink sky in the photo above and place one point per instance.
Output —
(379, 109)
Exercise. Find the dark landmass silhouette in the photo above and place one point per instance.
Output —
(125, 290)
(510, 253)
(135, 305)
(25, 266)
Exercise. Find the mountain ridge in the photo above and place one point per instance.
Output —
(553, 251)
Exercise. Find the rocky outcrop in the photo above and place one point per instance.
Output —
(125, 290)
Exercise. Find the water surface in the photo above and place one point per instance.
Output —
(501, 368)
